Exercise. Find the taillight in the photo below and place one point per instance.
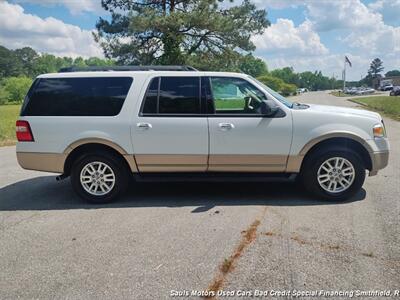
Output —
(23, 130)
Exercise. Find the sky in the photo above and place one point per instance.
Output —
(307, 35)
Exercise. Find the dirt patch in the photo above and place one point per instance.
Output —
(229, 264)
(300, 240)
(368, 254)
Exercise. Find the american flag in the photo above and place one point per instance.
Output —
(347, 60)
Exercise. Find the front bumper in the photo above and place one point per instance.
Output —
(379, 161)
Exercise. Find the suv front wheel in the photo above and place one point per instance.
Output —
(333, 174)
(99, 178)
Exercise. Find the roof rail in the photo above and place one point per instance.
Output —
(127, 68)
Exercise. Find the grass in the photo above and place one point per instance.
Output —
(388, 105)
(8, 116)
(229, 104)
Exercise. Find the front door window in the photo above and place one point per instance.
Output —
(235, 96)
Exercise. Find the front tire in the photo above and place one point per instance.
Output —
(333, 174)
(99, 178)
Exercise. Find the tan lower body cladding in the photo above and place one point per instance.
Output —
(217, 163)
(54, 162)
(48, 162)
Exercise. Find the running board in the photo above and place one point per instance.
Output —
(215, 177)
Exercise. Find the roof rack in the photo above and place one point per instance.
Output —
(127, 68)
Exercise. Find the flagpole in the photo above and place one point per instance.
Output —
(344, 75)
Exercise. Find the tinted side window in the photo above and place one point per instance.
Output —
(151, 98)
(94, 96)
(179, 95)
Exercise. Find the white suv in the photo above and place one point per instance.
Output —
(100, 127)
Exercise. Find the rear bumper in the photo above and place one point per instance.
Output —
(379, 161)
(47, 162)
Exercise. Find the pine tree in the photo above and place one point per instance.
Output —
(175, 31)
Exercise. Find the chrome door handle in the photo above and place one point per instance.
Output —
(226, 126)
(144, 125)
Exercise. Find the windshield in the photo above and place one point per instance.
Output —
(278, 96)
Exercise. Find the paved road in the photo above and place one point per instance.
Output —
(163, 237)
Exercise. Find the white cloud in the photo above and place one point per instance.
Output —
(388, 8)
(283, 38)
(361, 27)
(279, 4)
(333, 15)
(74, 6)
(357, 30)
(18, 29)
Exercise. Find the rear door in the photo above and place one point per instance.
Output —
(241, 139)
(170, 133)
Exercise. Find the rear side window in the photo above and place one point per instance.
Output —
(173, 95)
(151, 99)
(94, 96)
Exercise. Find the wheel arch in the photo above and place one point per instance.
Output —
(345, 140)
(81, 147)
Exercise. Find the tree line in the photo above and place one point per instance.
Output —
(19, 67)
(205, 34)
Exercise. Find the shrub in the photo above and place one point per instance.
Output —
(274, 83)
(288, 89)
(278, 85)
(14, 89)
(3, 96)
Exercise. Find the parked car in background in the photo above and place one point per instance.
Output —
(302, 90)
(359, 91)
(364, 91)
(395, 91)
(388, 87)
(162, 123)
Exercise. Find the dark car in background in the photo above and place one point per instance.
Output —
(395, 91)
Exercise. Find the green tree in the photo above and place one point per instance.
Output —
(253, 66)
(79, 62)
(10, 65)
(376, 67)
(27, 56)
(46, 63)
(392, 73)
(286, 74)
(95, 61)
(15, 88)
(172, 31)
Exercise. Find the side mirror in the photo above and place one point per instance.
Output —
(268, 108)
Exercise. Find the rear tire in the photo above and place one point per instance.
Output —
(99, 177)
(334, 174)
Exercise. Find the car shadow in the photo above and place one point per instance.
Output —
(45, 193)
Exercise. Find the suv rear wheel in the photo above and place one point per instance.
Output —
(99, 178)
(335, 174)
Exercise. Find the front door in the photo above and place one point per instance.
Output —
(170, 134)
(241, 139)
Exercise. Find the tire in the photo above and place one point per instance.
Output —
(110, 181)
(391, 93)
(316, 165)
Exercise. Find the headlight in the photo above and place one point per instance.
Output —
(379, 130)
